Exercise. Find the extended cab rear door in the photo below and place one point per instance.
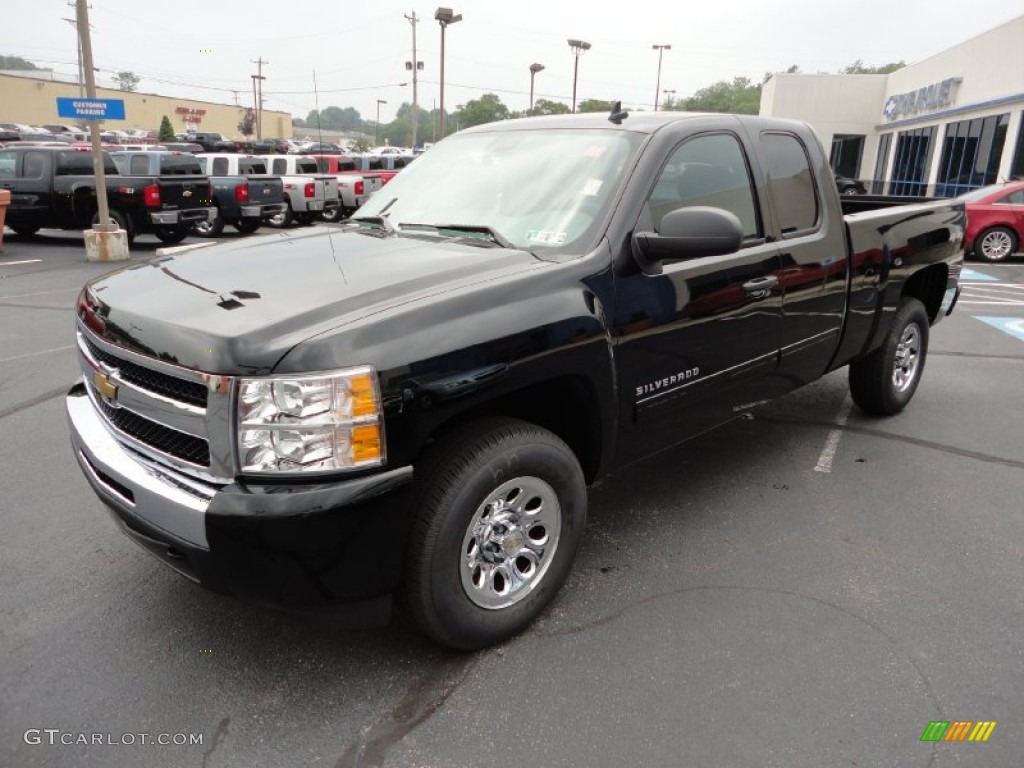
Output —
(696, 342)
(808, 228)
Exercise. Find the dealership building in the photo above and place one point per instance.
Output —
(30, 97)
(945, 125)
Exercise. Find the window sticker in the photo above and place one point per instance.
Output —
(550, 238)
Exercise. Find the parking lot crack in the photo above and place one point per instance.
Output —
(219, 736)
(33, 401)
(422, 699)
(951, 449)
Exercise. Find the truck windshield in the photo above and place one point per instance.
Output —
(541, 189)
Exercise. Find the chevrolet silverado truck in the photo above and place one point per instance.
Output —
(245, 195)
(415, 401)
(354, 188)
(309, 194)
(55, 188)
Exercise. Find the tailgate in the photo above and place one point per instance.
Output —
(263, 191)
(326, 187)
(183, 192)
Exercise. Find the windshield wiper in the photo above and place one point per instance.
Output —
(380, 221)
(492, 234)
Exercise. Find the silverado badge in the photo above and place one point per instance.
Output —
(103, 384)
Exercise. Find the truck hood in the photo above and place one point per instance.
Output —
(238, 308)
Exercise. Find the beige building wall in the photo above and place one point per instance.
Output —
(988, 71)
(33, 101)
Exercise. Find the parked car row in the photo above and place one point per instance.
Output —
(172, 193)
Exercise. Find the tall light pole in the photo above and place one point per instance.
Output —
(534, 69)
(444, 17)
(578, 47)
(657, 88)
(376, 127)
(415, 65)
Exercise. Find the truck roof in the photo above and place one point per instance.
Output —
(639, 122)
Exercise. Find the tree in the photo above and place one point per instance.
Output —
(594, 105)
(487, 109)
(740, 97)
(166, 130)
(547, 107)
(16, 62)
(127, 81)
(247, 125)
(859, 68)
(362, 144)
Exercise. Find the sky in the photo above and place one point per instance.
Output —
(358, 50)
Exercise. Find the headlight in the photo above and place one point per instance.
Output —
(318, 423)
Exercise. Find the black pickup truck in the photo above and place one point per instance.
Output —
(415, 401)
(55, 188)
(240, 198)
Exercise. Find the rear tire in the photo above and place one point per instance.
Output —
(996, 244)
(500, 513)
(171, 235)
(884, 382)
(25, 231)
(283, 219)
(247, 227)
(209, 228)
(332, 214)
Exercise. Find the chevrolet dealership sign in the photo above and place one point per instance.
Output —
(927, 99)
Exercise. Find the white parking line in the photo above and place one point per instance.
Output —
(39, 293)
(832, 441)
(36, 354)
(23, 261)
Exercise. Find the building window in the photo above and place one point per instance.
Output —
(1017, 166)
(971, 153)
(913, 161)
(846, 154)
(881, 164)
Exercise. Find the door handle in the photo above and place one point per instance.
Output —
(760, 287)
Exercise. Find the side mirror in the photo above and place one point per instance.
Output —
(688, 233)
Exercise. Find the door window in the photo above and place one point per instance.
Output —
(34, 165)
(790, 182)
(707, 170)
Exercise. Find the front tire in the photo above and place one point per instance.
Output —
(500, 513)
(884, 382)
(331, 215)
(996, 244)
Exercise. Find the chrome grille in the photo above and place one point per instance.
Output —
(188, 448)
(189, 392)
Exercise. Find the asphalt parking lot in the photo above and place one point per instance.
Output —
(808, 587)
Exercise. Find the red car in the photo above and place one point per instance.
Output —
(995, 221)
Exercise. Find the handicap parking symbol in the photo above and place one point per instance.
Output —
(973, 276)
(1011, 325)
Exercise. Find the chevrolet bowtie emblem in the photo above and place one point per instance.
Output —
(103, 384)
(187, 193)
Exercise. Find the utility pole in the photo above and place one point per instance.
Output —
(414, 20)
(257, 82)
(78, 40)
(85, 41)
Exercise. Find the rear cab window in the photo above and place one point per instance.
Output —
(791, 184)
(74, 163)
(173, 164)
(306, 166)
(250, 167)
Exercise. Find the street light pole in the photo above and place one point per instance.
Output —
(444, 17)
(578, 48)
(657, 88)
(376, 127)
(534, 69)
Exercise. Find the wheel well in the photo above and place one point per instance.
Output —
(928, 286)
(567, 406)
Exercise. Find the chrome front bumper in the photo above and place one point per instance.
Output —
(132, 484)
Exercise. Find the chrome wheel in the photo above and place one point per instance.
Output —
(908, 355)
(510, 542)
(997, 244)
